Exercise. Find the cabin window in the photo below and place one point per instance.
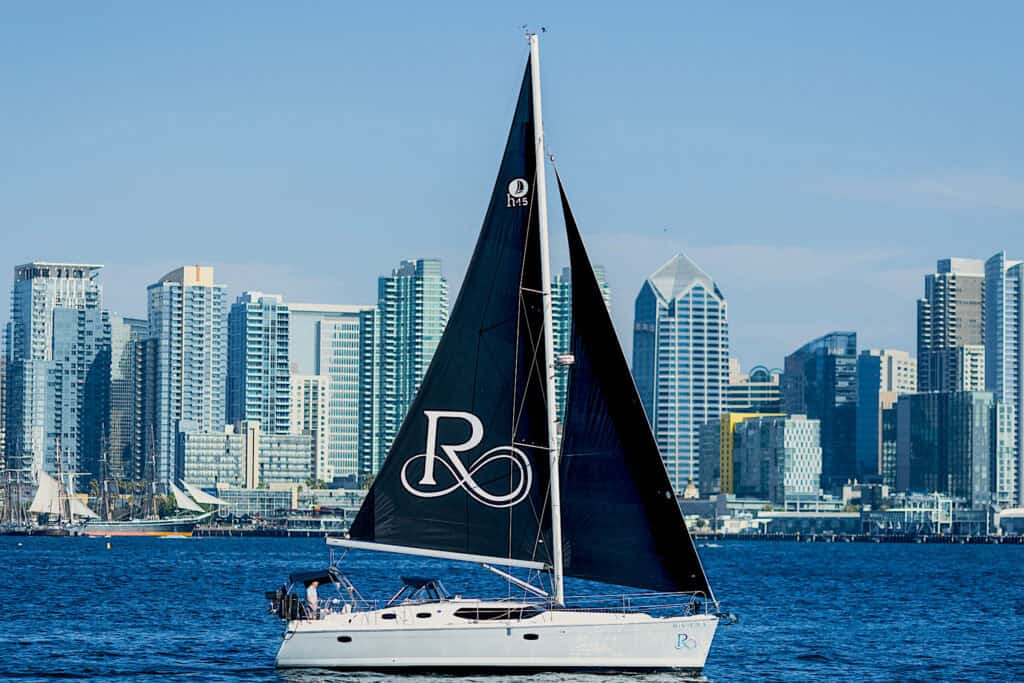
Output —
(530, 636)
(496, 613)
(389, 615)
(423, 615)
(344, 639)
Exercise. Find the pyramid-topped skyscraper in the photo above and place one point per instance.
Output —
(681, 360)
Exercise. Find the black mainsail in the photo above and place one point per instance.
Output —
(621, 522)
(468, 472)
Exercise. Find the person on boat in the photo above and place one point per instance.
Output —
(312, 598)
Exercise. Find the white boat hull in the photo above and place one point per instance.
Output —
(556, 639)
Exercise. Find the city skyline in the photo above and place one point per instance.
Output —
(752, 140)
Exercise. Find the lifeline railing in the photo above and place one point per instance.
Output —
(654, 604)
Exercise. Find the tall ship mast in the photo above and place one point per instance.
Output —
(477, 474)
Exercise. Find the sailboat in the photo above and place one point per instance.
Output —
(62, 510)
(154, 525)
(477, 474)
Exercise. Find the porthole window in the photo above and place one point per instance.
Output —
(344, 639)
(530, 636)
(389, 615)
(423, 615)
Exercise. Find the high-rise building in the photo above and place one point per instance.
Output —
(1004, 345)
(820, 380)
(1005, 488)
(188, 326)
(309, 417)
(125, 441)
(717, 444)
(58, 365)
(681, 360)
(756, 391)
(340, 345)
(258, 372)
(890, 424)
(709, 454)
(561, 324)
(882, 376)
(412, 305)
(778, 458)
(945, 444)
(950, 317)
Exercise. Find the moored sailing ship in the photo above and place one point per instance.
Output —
(477, 474)
(159, 526)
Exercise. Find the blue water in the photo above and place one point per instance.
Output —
(193, 609)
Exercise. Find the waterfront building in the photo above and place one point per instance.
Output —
(561, 324)
(211, 458)
(1004, 346)
(284, 458)
(58, 366)
(258, 363)
(882, 376)
(412, 305)
(267, 503)
(778, 458)
(1011, 521)
(309, 417)
(820, 380)
(950, 317)
(945, 444)
(341, 346)
(681, 360)
(756, 391)
(188, 326)
(808, 522)
(242, 455)
(126, 443)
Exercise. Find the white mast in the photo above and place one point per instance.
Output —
(549, 339)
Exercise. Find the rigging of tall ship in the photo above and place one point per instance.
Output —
(478, 474)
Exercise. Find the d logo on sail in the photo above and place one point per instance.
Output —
(520, 473)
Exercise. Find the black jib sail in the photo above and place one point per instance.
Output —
(621, 522)
(468, 471)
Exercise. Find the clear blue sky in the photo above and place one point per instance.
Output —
(814, 158)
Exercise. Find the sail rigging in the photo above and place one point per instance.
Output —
(468, 472)
(51, 499)
(620, 518)
(48, 496)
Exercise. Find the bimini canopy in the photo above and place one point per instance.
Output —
(329, 575)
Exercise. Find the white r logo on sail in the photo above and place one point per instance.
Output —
(462, 475)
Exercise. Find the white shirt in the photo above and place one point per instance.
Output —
(311, 596)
